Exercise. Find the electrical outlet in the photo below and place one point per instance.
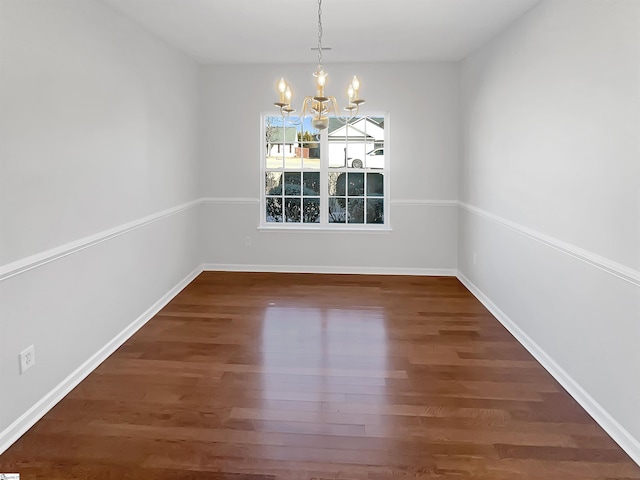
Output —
(475, 258)
(247, 241)
(27, 358)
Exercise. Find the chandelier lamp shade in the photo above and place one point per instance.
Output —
(320, 106)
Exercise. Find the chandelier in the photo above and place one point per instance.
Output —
(320, 106)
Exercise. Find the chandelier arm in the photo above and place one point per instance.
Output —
(307, 107)
(336, 109)
(289, 121)
(307, 104)
(342, 118)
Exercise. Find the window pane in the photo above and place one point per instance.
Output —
(273, 183)
(293, 163)
(311, 163)
(356, 184)
(337, 154)
(308, 149)
(337, 182)
(375, 157)
(337, 210)
(281, 140)
(274, 209)
(292, 209)
(311, 210)
(375, 210)
(292, 184)
(314, 149)
(274, 142)
(311, 155)
(375, 184)
(356, 210)
(356, 152)
(275, 161)
(311, 183)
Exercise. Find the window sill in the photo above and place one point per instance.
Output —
(324, 229)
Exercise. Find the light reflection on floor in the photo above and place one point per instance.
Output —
(314, 355)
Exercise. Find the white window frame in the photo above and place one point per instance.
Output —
(324, 224)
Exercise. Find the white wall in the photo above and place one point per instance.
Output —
(98, 174)
(422, 103)
(550, 191)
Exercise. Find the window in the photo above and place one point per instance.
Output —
(334, 178)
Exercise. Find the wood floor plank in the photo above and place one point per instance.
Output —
(263, 376)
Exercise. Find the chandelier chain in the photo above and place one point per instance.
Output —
(319, 32)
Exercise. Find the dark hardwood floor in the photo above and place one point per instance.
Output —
(284, 376)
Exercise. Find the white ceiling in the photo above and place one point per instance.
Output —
(283, 31)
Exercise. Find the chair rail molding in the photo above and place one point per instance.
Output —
(33, 261)
(613, 268)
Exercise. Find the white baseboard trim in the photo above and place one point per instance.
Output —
(622, 437)
(18, 428)
(433, 272)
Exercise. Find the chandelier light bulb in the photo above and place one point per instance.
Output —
(288, 94)
(322, 78)
(282, 88)
(355, 84)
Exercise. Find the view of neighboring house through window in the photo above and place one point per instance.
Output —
(333, 177)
